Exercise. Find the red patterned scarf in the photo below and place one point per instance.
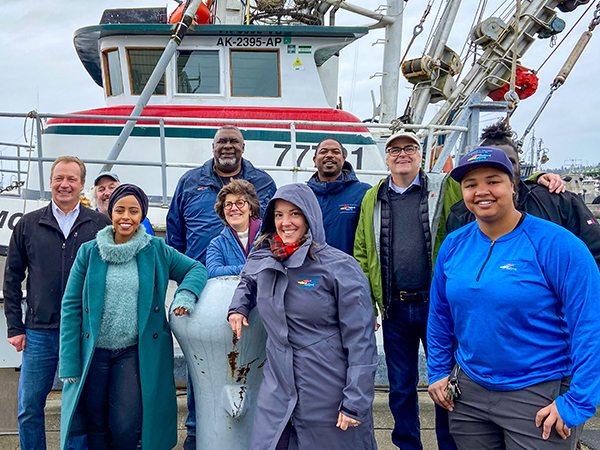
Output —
(281, 250)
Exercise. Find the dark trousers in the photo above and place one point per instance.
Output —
(112, 400)
(505, 420)
(403, 329)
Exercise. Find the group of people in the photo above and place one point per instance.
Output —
(504, 306)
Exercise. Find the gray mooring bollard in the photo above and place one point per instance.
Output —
(226, 372)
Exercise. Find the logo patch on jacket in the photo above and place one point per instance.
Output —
(201, 188)
(508, 267)
(348, 208)
(308, 282)
(591, 222)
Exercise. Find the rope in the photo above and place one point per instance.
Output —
(30, 115)
(511, 95)
(565, 37)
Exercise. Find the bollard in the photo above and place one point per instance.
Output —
(226, 372)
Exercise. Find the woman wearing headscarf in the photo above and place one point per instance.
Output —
(116, 348)
(519, 294)
(314, 302)
(238, 207)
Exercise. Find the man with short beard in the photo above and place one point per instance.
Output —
(104, 185)
(339, 193)
(192, 221)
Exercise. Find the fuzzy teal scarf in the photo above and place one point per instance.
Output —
(121, 253)
(119, 322)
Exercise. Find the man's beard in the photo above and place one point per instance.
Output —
(102, 207)
(228, 162)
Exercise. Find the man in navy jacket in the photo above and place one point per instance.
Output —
(192, 221)
(339, 194)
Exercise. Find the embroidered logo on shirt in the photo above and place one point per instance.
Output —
(348, 208)
(308, 282)
(591, 222)
(508, 267)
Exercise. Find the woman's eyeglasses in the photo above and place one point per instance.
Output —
(239, 204)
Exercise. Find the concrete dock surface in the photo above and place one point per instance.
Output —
(383, 424)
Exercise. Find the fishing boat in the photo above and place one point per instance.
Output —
(272, 68)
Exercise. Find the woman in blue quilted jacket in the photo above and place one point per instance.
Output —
(239, 208)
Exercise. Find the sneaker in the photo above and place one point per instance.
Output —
(190, 443)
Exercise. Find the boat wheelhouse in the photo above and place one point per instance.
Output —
(277, 83)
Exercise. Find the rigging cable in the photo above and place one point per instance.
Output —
(476, 19)
(433, 29)
(417, 30)
(564, 38)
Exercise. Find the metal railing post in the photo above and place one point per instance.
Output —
(19, 167)
(40, 155)
(163, 161)
(294, 152)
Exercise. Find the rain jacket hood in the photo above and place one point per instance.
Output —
(304, 198)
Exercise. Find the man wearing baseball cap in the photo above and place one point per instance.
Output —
(395, 245)
(104, 185)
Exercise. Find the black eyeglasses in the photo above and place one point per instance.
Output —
(408, 149)
(239, 204)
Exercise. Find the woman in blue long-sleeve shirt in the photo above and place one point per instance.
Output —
(520, 296)
(238, 207)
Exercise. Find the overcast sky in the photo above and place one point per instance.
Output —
(40, 69)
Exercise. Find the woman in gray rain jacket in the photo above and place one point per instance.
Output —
(321, 354)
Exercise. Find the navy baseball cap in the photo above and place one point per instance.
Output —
(106, 174)
(482, 157)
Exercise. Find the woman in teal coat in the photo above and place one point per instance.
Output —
(116, 348)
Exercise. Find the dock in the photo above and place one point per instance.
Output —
(383, 424)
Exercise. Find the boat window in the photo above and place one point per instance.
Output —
(255, 73)
(142, 63)
(113, 73)
(198, 72)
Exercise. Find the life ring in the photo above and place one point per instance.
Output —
(202, 15)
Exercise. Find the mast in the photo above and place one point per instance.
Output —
(422, 97)
(391, 62)
(178, 35)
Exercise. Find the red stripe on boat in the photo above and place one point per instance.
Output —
(229, 115)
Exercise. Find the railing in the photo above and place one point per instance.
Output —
(18, 171)
(430, 131)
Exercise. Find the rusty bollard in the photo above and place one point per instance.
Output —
(226, 372)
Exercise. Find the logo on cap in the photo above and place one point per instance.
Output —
(479, 157)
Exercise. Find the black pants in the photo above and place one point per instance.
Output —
(112, 400)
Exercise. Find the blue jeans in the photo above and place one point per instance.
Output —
(112, 400)
(190, 420)
(403, 329)
(38, 367)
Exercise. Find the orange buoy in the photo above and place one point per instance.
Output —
(202, 15)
